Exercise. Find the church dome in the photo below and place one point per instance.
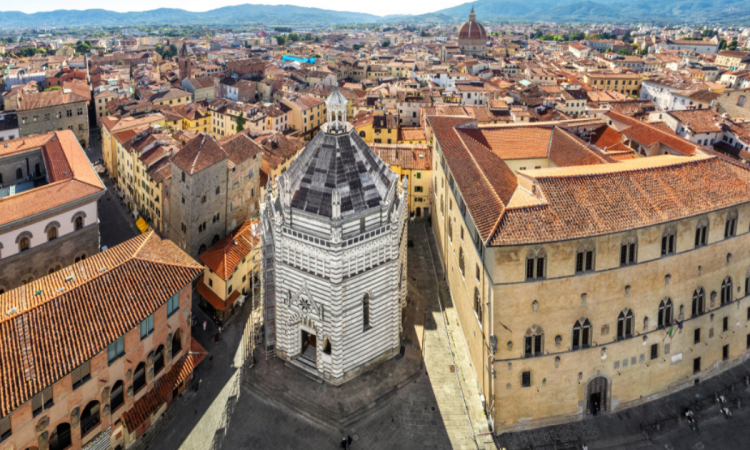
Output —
(472, 29)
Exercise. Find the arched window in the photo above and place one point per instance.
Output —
(533, 342)
(60, 438)
(52, 233)
(89, 417)
(116, 396)
(177, 342)
(701, 232)
(215, 239)
(19, 173)
(581, 334)
(668, 241)
(78, 223)
(362, 134)
(625, 324)
(665, 313)
(585, 258)
(461, 262)
(478, 305)
(159, 359)
(366, 311)
(202, 249)
(24, 244)
(699, 302)
(726, 291)
(535, 265)
(730, 226)
(139, 377)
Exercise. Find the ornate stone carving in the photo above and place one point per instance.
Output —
(128, 374)
(510, 345)
(105, 410)
(130, 391)
(42, 424)
(105, 394)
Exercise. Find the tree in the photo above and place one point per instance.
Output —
(280, 39)
(53, 88)
(627, 37)
(385, 43)
(83, 47)
(294, 37)
(577, 36)
(309, 37)
(240, 123)
(732, 45)
(722, 44)
(624, 51)
(357, 46)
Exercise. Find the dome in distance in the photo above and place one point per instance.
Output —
(472, 29)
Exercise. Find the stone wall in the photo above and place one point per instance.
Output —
(46, 121)
(37, 261)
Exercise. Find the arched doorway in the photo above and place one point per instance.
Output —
(596, 396)
(419, 212)
(177, 342)
(90, 417)
(60, 438)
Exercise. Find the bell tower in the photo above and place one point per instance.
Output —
(184, 63)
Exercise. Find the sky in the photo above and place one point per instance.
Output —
(379, 7)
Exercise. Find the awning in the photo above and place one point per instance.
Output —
(152, 401)
(141, 224)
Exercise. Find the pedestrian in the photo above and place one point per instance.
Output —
(204, 325)
(348, 440)
(343, 443)
(219, 329)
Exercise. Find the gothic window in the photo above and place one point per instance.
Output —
(665, 313)
(533, 342)
(585, 258)
(699, 302)
(628, 251)
(478, 305)
(730, 226)
(726, 291)
(78, 223)
(701, 233)
(52, 233)
(366, 311)
(581, 334)
(668, 241)
(535, 265)
(461, 261)
(625, 324)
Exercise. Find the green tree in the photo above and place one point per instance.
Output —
(240, 123)
(357, 46)
(83, 47)
(627, 37)
(624, 51)
(309, 37)
(732, 45)
(385, 43)
(294, 37)
(53, 88)
(722, 44)
(29, 51)
(577, 36)
(280, 39)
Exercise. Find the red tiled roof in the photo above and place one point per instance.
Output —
(224, 256)
(70, 174)
(88, 305)
(647, 134)
(612, 198)
(153, 399)
(201, 152)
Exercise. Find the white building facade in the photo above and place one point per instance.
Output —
(335, 255)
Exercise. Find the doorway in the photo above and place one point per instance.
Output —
(596, 396)
(419, 212)
(309, 345)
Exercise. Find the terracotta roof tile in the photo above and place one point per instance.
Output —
(224, 256)
(201, 152)
(106, 296)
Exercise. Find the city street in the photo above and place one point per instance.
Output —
(116, 225)
(225, 414)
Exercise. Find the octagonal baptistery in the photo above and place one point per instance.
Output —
(472, 37)
(337, 222)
